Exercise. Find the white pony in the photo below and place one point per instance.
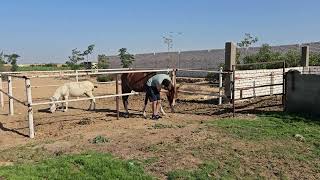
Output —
(74, 89)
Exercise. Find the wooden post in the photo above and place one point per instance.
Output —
(305, 56)
(1, 94)
(11, 111)
(117, 98)
(230, 60)
(220, 85)
(30, 110)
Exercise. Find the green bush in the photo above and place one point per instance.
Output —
(212, 77)
(104, 78)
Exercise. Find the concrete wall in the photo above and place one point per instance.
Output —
(201, 59)
(197, 59)
(303, 93)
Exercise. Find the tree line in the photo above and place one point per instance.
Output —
(75, 61)
(266, 54)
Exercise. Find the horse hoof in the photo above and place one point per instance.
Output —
(126, 115)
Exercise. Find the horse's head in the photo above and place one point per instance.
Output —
(171, 94)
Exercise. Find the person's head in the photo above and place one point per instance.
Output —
(167, 84)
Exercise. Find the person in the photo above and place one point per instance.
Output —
(153, 87)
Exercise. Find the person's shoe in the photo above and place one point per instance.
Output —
(158, 116)
(154, 117)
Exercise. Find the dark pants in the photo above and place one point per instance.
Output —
(152, 93)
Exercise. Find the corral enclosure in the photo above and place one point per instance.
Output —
(263, 146)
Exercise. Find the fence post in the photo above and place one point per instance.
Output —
(284, 86)
(174, 82)
(117, 98)
(233, 89)
(305, 56)
(230, 60)
(272, 82)
(220, 85)
(11, 111)
(77, 76)
(30, 109)
(1, 94)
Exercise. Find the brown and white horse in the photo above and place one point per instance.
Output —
(136, 82)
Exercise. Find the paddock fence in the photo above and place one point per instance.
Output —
(29, 103)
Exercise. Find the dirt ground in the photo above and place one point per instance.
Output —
(179, 140)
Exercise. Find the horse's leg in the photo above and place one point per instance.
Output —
(161, 110)
(125, 104)
(145, 106)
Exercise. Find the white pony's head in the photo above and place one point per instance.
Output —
(53, 106)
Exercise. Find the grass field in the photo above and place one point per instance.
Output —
(83, 166)
(250, 148)
(278, 128)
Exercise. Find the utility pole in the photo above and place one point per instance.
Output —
(168, 40)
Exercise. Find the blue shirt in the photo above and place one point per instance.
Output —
(156, 80)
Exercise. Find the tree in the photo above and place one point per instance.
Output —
(88, 51)
(2, 61)
(314, 59)
(247, 41)
(292, 58)
(126, 58)
(265, 54)
(12, 59)
(74, 59)
(103, 61)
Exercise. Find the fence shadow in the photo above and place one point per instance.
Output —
(12, 130)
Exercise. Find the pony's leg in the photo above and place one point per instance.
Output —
(66, 98)
(145, 106)
(62, 104)
(93, 101)
(125, 104)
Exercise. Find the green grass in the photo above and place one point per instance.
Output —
(83, 166)
(99, 139)
(266, 127)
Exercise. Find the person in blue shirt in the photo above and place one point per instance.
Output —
(153, 87)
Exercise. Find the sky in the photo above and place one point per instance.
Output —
(43, 31)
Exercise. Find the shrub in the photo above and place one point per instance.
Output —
(104, 78)
(212, 77)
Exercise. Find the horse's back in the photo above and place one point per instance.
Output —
(135, 81)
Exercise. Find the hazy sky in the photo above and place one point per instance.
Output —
(47, 30)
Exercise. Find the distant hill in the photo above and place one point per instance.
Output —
(199, 59)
